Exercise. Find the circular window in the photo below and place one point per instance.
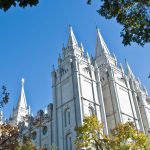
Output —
(45, 130)
(34, 135)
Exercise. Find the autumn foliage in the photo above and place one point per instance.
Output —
(11, 139)
(8, 137)
(123, 137)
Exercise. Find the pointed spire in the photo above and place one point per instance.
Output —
(53, 67)
(114, 56)
(101, 47)
(59, 59)
(22, 82)
(138, 79)
(88, 57)
(22, 99)
(82, 48)
(128, 70)
(145, 90)
(121, 68)
(72, 40)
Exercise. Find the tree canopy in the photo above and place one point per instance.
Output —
(6, 4)
(91, 133)
(133, 15)
(123, 137)
(127, 137)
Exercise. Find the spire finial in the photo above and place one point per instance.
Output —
(72, 40)
(114, 56)
(81, 46)
(53, 67)
(128, 69)
(145, 90)
(121, 68)
(101, 47)
(59, 59)
(22, 82)
(88, 57)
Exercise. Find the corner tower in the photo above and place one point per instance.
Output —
(119, 102)
(21, 110)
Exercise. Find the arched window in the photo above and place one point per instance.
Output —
(34, 135)
(45, 130)
(68, 142)
(91, 111)
(67, 117)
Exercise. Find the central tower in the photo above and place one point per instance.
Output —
(75, 85)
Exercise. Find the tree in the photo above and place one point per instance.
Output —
(8, 137)
(26, 144)
(91, 134)
(6, 4)
(127, 137)
(123, 137)
(133, 15)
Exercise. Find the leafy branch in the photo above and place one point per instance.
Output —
(133, 15)
(4, 97)
(6, 4)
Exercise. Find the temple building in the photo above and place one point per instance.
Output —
(85, 86)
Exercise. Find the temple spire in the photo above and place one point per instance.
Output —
(21, 110)
(72, 40)
(82, 48)
(101, 47)
(22, 99)
(88, 57)
(128, 70)
(121, 68)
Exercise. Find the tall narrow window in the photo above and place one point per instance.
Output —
(138, 99)
(68, 142)
(67, 117)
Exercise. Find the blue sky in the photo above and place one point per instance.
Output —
(32, 38)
